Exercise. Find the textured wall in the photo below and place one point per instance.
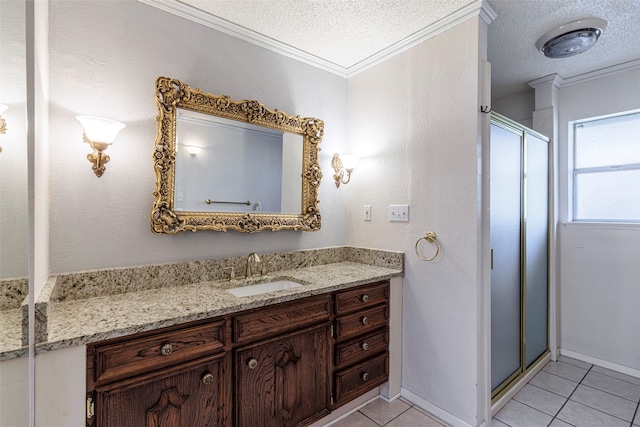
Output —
(415, 119)
(104, 59)
(599, 268)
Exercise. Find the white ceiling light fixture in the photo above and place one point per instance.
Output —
(572, 38)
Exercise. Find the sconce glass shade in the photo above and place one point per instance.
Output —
(343, 165)
(193, 150)
(349, 161)
(3, 108)
(100, 130)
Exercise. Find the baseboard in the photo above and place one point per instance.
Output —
(602, 363)
(389, 399)
(436, 411)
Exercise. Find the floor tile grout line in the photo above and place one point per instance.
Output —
(635, 415)
(381, 425)
(610, 394)
(569, 397)
(621, 373)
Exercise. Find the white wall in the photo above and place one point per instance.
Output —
(14, 392)
(104, 59)
(518, 107)
(415, 120)
(599, 287)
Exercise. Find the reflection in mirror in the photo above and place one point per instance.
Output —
(232, 165)
(14, 384)
(225, 165)
(13, 175)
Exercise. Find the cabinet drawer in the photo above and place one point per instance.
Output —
(280, 318)
(135, 356)
(364, 296)
(361, 322)
(361, 378)
(360, 348)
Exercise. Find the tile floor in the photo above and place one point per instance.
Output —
(567, 393)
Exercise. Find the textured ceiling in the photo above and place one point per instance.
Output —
(343, 32)
(347, 32)
(512, 36)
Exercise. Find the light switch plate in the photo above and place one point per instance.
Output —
(367, 212)
(399, 213)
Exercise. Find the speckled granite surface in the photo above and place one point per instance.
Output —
(78, 322)
(13, 292)
(11, 334)
(12, 295)
(79, 308)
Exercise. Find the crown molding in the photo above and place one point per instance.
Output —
(203, 18)
(469, 11)
(554, 79)
(603, 72)
(561, 82)
(175, 7)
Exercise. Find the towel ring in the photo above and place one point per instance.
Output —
(429, 237)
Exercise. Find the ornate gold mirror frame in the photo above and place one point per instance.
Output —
(172, 94)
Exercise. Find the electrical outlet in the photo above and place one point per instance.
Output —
(179, 196)
(367, 212)
(399, 213)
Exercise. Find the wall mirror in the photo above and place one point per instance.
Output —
(13, 181)
(225, 165)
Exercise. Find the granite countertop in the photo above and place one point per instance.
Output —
(82, 321)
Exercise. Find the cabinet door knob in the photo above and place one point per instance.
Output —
(365, 298)
(365, 346)
(207, 378)
(166, 349)
(365, 376)
(365, 320)
(252, 363)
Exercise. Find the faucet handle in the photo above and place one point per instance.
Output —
(232, 274)
(263, 270)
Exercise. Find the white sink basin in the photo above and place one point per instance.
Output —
(263, 288)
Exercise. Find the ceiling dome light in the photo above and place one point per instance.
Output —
(572, 38)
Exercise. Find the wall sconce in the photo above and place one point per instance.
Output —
(347, 164)
(3, 123)
(99, 134)
(193, 150)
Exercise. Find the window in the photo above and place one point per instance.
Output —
(606, 174)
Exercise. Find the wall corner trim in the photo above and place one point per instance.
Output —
(175, 7)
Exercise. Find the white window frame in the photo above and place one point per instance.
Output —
(610, 168)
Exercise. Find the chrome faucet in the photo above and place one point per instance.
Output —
(251, 258)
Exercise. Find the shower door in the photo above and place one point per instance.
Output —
(519, 250)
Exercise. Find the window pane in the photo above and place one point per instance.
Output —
(608, 196)
(610, 141)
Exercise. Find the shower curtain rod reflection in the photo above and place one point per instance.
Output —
(209, 201)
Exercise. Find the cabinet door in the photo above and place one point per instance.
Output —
(187, 395)
(284, 381)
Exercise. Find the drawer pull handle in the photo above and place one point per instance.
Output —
(207, 378)
(365, 298)
(252, 363)
(365, 320)
(166, 349)
(365, 346)
(365, 376)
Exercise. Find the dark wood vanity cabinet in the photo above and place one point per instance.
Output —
(175, 378)
(186, 395)
(284, 381)
(361, 360)
(283, 365)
